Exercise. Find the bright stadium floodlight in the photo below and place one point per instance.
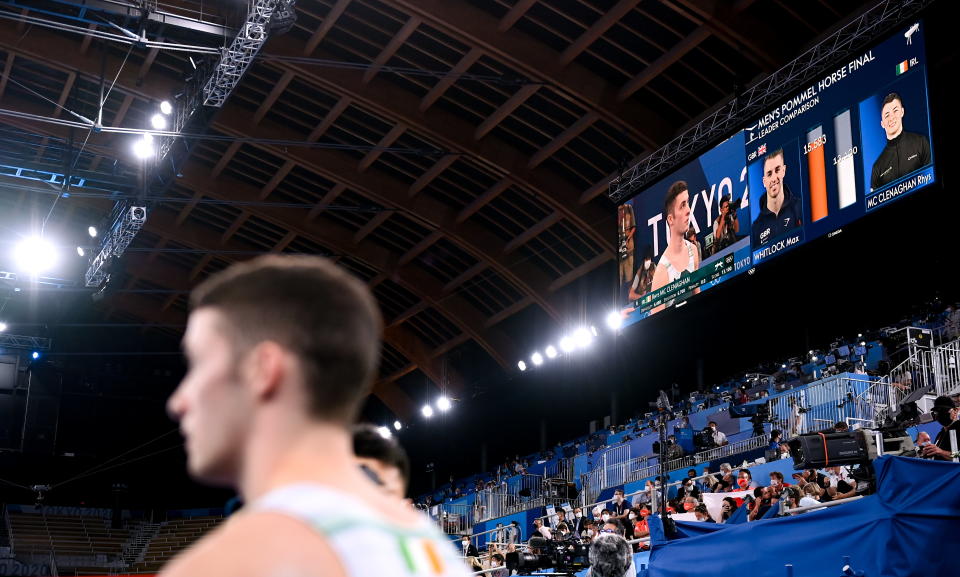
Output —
(143, 147)
(594, 331)
(158, 122)
(814, 359)
(397, 425)
(582, 338)
(3, 327)
(783, 366)
(863, 343)
(384, 432)
(537, 359)
(80, 251)
(92, 231)
(165, 106)
(567, 345)
(522, 366)
(551, 352)
(427, 411)
(35, 255)
(35, 355)
(614, 320)
(443, 403)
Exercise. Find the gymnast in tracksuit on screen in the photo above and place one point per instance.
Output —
(780, 211)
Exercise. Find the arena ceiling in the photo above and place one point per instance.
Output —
(454, 154)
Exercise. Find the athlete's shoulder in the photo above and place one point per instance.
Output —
(258, 543)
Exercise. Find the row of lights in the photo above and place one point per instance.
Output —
(579, 339)
(143, 147)
(443, 404)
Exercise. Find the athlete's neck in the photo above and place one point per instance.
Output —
(775, 203)
(296, 452)
(676, 242)
(895, 136)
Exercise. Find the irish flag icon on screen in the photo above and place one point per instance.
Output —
(902, 67)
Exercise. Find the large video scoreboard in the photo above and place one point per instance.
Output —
(855, 140)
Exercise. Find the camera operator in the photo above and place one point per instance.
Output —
(726, 226)
(945, 412)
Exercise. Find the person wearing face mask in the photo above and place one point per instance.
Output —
(605, 515)
(639, 520)
(643, 280)
(719, 438)
(620, 506)
(469, 549)
(496, 562)
(688, 489)
(541, 529)
(945, 412)
(579, 522)
(689, 504)
(744, 481)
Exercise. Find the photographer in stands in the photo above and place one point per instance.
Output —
(726, 227)
(945, 412)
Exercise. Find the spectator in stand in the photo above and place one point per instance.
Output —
(791, 497)
(811, 495)
(776, 482)
(689, 504)
(684, 423)
(728, 481)
(613, 525)
(710, 483)
(688, 489)
(497, 562)
(840, 427)
(744, 481)
(513, 533)
(728, 508)
(759, 505)
(640, 527)
(719, 439)
(589, 531)
(541, 529)
(579, 521)
(620, 506)
(561, 518)
(923, 439)
(945, 412)
(468, 548)
(605, 515)
(702, 515)
(842, 484)
(775, 440)
(643, 496)
(499, 536)
(563, 532)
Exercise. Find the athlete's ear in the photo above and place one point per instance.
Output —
(267, 365)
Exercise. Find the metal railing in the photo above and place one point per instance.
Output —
(493, 505)
(731, 449)
(559, 469)
(453, 519)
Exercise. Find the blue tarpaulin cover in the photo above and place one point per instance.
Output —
(911, 526)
